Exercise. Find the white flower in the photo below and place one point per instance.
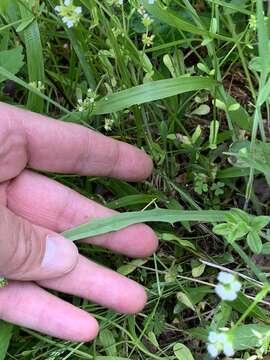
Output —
(69, 13)
(87, 103)
(228, 286)
(219, 342)
(69, 23)
(108, 124)
(78, 10)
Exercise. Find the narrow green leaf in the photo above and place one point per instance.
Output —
(154, 90)
(35, 63)
(173, 19)
(117, 222)
(5, 337)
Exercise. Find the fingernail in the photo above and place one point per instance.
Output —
(60, 256)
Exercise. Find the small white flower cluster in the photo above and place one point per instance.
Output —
(146, 20)
(69, 13)
(38, 85)
(88, 102)
(228, 286)
(108, 124)
(219, 342)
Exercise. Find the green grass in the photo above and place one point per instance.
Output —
(197, 101)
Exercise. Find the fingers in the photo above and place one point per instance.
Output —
(102, 286)
(28, 305)
(56, 146)
(32, 252)
(63, 208)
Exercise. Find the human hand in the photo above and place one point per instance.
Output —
(34, 209)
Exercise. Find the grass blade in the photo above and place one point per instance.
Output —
(5, 336)
(34, 55)
(117, 222)
(152, 91)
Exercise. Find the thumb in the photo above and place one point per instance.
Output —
(30, 252)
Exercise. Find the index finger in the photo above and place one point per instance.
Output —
(57, 146)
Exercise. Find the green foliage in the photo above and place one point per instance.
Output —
(188, 82)
(239, 225)
(11, 60)
(6, 331)
(182, 352)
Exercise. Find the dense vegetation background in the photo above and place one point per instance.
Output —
(202, 112)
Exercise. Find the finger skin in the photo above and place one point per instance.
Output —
(26, 304)
(102, 286)
(23, 254)
(52, 205)
(56, 146)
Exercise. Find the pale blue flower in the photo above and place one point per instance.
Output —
(228, 286)
(219, 342)
(69, 13)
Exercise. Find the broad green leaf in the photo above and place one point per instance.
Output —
(199, 333)
(182, 352)
(254, 242)
(197, 294)
(257, 65)
(234, 107)
(5, 336)
(203, 109)
(245, 336)
(222, 229)
(222, 315)
(117, 222)
(182, 243)
(266, 249)
(184, 298)
(153, 339)
(237, 215)
(239, 230)
(259, 222)
(197, 268)
(130, 267)
(233, 172)
(108, 342)
(154, 90)
(11, 60)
